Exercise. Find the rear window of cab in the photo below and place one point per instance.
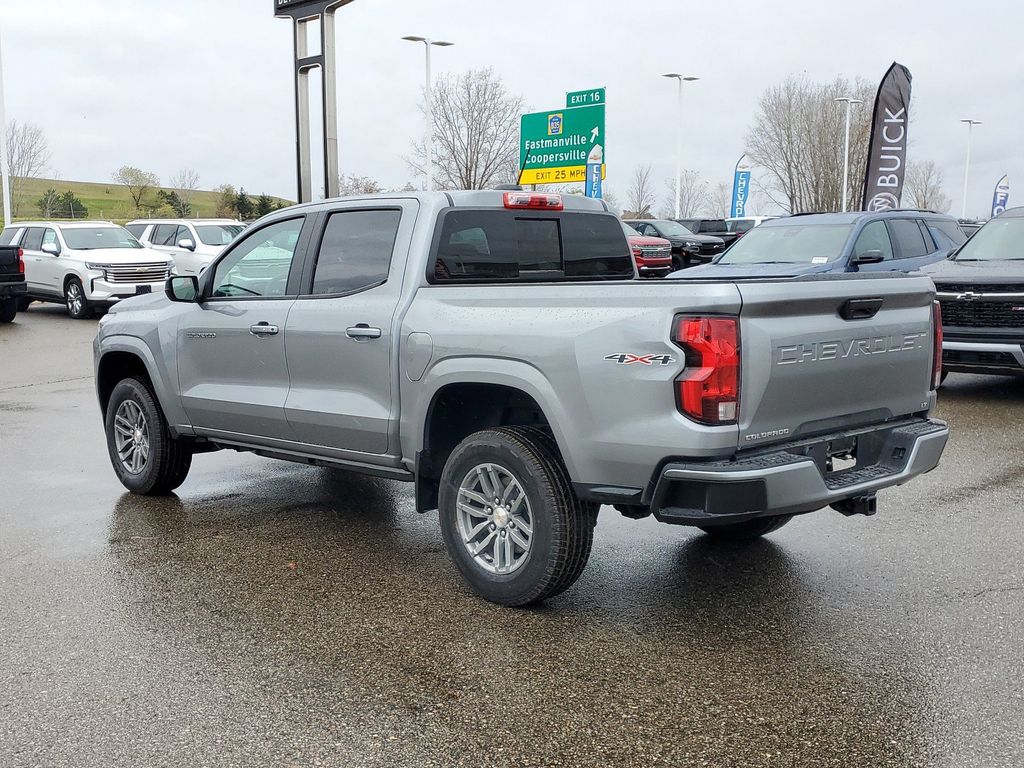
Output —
(501, 246)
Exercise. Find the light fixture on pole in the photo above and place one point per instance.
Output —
(967, 163)
(429, 138)
(846, 146)
(679, 134)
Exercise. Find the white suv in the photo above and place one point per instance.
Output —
(85, 264)
(192, 243)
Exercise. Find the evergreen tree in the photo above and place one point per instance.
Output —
(243, 205)
(264, 205)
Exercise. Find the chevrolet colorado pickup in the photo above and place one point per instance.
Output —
(496, 350)
(12, 282)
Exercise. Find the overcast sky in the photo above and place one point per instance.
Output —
(207, 84)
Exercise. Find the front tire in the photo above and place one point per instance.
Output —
(75, 301)
(748, 529)
(146, 459)
(8, 310)
(509, 518)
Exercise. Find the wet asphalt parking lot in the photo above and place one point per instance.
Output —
(278, 615)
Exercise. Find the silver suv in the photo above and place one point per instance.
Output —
(84, 264)
(192, 243)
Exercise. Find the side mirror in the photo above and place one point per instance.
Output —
(51, 248)
(868, 257)
(187, 244)
(183, 288)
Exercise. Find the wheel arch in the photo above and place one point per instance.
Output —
(458, 403)
(127, 356)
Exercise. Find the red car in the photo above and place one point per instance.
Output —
(653, 255)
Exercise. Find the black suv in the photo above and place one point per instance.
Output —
(981, 291)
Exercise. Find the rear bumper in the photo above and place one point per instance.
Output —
(9, 290)
(793, 478)
(983, 357)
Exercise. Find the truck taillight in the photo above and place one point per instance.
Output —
(937, 352)
(21, 261)
(708, 390)
(533, 201)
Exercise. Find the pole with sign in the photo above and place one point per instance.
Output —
(557, 146)
(302, 13)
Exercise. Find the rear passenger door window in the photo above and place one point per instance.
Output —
(874, 237)
(163, 235)
(355, 252)
(33, 239)
(908, 240)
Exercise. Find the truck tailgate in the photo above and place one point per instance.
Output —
(821, 355)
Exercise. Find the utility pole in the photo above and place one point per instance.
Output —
(967, 163)
(679, 134)
(846, 147)
(5, 170)
(428, 139)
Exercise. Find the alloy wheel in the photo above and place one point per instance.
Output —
(131, 437)
(494, 517)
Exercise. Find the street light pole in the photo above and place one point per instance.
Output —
(428, 140)
(846, 147)
(679, 134)
(5, 171)
(967, 163)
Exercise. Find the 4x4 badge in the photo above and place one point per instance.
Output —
(625, 358)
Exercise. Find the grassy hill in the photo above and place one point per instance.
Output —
(107, 201)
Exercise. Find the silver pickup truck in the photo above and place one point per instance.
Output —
(495, 349)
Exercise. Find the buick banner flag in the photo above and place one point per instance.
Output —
(1001, 196)
(887, 150)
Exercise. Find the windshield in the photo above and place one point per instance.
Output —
(1000, 239)
(793, 244)
(91, 238)
(673, 229)
(218, 234)
(630, 232)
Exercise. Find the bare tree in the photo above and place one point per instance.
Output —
(694, 197)
(27, 157)
(139, 182)
(924, 187)
(640, 197)
(476, 132)
(797, 137)
(185, 182)
(721, 201)
(350, 186)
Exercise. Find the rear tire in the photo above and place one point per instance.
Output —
(748, 529)
(146, 459)
(8, 310)
(521, 468)
(74, 300)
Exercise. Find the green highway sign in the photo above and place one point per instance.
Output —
(555, 146)
(585, 98)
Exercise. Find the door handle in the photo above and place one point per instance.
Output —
(263, 329)
(363, 332)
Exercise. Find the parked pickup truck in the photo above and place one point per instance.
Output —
(495, 349)
(12, 282)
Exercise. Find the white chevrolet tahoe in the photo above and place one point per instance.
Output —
(85, 264)
(192, 243)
